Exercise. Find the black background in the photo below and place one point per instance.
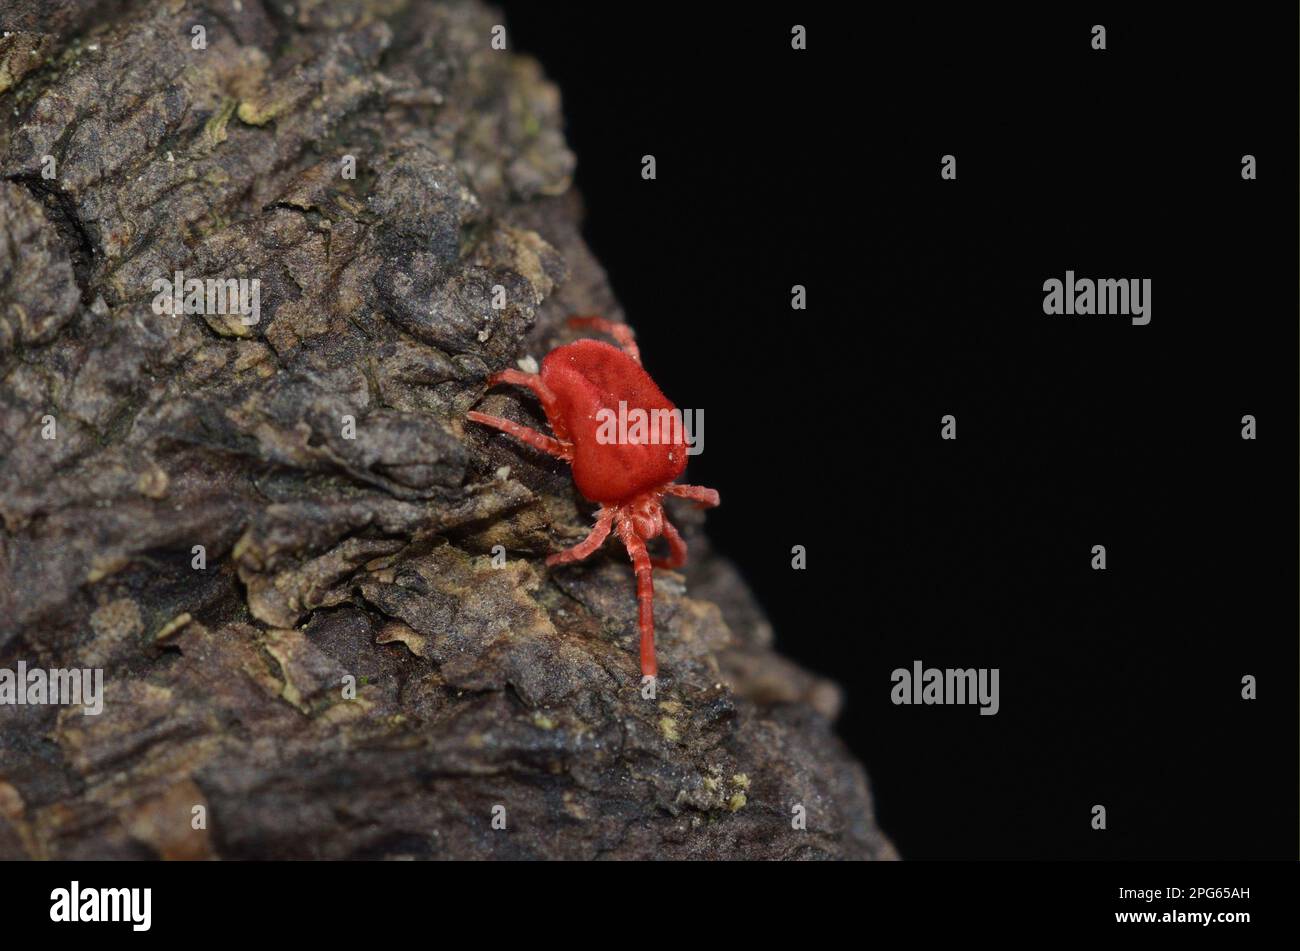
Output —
(821, 167)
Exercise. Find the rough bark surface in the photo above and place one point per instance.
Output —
(327, 556)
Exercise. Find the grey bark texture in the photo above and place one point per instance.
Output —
(127, 154)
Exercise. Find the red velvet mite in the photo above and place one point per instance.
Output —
(580, 387)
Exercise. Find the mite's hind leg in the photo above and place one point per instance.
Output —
(620, 332)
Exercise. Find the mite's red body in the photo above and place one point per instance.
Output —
(590, 379)
(582, 387)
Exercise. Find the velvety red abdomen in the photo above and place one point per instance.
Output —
(590, 376)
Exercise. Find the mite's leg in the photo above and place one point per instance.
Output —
(706, 498)
(604, 521)
(547, 444)
(645, 595)
(676, 548)
(550, 405)
(620, 332)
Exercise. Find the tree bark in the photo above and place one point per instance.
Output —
(235, 521)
